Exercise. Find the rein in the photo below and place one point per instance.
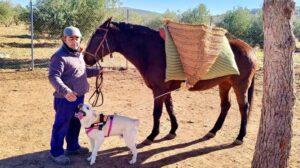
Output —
(98, 92)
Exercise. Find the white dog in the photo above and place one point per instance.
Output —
(99, 127)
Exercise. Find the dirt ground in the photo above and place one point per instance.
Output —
(27, 115)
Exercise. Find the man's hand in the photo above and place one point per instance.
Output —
(71, 96)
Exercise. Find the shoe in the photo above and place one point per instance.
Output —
(61, 160)
(80, 151)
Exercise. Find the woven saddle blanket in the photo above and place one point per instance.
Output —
(224, 64)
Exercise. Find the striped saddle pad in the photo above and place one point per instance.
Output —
(224, 64)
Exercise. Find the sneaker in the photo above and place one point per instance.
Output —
(80, 151)
(61, 160)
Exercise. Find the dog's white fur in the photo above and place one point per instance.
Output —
(122, 126)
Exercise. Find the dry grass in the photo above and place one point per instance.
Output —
(15, 42)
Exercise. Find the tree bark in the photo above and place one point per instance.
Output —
(275, 132)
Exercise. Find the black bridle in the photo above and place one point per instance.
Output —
(100, 46)
(99, 78)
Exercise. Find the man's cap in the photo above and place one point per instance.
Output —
(72, 31)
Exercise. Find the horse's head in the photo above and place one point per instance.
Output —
(99, 45)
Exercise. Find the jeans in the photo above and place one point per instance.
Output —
(66, 125)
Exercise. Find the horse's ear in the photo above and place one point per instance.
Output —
(106, 23)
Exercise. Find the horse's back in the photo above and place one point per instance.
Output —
(242, 49)
(246, 61)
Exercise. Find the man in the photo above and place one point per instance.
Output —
(68, 75)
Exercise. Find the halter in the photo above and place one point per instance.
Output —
(99, 78)
(100, 46)
(93, 100)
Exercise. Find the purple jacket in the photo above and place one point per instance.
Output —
(68, 72)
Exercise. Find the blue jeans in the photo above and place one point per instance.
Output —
(66, 125)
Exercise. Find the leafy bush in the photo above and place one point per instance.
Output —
(255, 34)
(196, 15)
(237, 22)
(51, 16)
(6, 13)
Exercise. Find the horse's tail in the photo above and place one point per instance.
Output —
(250, 95)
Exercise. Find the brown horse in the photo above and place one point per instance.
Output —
(145, 49)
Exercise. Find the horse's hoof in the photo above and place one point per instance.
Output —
(147, 142)
(170, 136)
(237, 142)
(210, 135)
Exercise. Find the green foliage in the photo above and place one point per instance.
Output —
(121, 16)
(296, 29)
(237, 22)
(196, 16)
(6, 13)
(21, 14)
(171, 15)
(154, 22)
(255, 34)
(51, 16)
(157, 21)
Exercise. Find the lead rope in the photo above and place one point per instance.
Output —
(98, 92)
(145, 102)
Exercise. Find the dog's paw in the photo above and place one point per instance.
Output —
(91, 163)
(93, 160)
(132, 161)
(89, 158)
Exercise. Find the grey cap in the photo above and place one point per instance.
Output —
(72, 31)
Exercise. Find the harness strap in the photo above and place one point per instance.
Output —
(99, 124)
(110, 125)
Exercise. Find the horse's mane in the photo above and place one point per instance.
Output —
(134, 29)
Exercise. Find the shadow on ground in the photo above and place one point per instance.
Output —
(7, 63)
(22, 36)
(28, 45)
(116, 157)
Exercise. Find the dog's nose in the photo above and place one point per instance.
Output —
(79, 115)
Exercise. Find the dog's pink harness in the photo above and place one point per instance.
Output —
(97, 124)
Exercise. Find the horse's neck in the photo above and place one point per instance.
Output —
(131, 51)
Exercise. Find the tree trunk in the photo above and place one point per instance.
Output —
(275, 132)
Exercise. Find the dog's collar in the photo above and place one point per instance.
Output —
(99, 124)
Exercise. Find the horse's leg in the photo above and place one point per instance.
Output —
(157, 111)
(244, 107)
(225, 105)
(170, 110)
